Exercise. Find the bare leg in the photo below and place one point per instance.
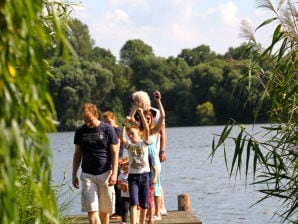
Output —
(151, 214)
(104, 218)
(93, 218)
(133, 214)
(157, 200)
(163, 209)
(143, 215)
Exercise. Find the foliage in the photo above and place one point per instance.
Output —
(206, 114)
(133, 49)
(274, 156)
(80, 39)
(195, 56)
(28, 30)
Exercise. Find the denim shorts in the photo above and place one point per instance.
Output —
(97, 195)
(138, 185)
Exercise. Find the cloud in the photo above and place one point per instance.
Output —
(228, 13)
(168, 26)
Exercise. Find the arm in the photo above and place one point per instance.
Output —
(123, 139)
(77, 158)
(115, 152)
(132, 114)
(162, 116)
(154, 178)
(145, 125)
(162, 151)
(162, 128)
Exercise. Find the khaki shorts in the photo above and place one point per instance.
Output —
(96, 194)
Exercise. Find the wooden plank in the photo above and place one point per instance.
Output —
(173, 217)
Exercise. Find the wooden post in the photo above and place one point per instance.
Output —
(183, 202)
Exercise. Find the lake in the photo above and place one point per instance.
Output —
(214, 197)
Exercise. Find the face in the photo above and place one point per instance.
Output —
(148, 119)
(110, 121)
(125, 167)
(90, 120)
(134, 135)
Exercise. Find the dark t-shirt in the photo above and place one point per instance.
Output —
(95, 146)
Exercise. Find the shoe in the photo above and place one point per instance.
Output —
(163, 212)
(156, 218)
(115, 217)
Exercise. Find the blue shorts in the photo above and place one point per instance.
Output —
(138, 185)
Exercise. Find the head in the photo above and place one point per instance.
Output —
(124, 163)
(142, 99)
(134, 133)
(110, 118)
(90, 115)
(149, 118)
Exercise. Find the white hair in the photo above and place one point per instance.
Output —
(142, 98)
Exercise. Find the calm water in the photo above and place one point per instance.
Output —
(214, 197)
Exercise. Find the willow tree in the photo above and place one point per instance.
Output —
(29, 29)
(274, 157)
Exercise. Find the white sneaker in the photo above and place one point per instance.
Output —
(163, 212)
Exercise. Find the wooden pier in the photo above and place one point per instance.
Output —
(173, 217)
(182, 216)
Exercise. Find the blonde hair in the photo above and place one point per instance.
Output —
(136, 127)
(144, 99)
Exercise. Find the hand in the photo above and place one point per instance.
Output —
(162, 156)
(75, 182)
(140, 110)
(157, 95)
(112, 180)
(154, 181)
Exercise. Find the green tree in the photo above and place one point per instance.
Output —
(133, 49)
(206, 113)
(274, 158)
(28, 30)
(150, 73)
(80, 38)
(195, 56)
(103, 57)
(75, 83)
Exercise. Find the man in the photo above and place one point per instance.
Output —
(96, 150)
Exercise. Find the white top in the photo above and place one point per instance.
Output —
(138, 158)
(123, 177)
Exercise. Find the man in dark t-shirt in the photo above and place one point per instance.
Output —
(96, 150)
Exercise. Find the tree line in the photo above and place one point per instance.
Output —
(199, 87)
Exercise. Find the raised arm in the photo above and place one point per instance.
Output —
(145, 125)
(122, 137)
(132, 114)
(161, 119)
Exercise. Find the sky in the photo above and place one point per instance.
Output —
(169, 26)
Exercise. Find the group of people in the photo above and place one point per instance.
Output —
(111, 183)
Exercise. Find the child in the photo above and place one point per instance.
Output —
(139, 168)
(111, 119)
(122, 184)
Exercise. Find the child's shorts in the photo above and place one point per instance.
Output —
(138, 185)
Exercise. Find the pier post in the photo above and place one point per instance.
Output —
(183, 202)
